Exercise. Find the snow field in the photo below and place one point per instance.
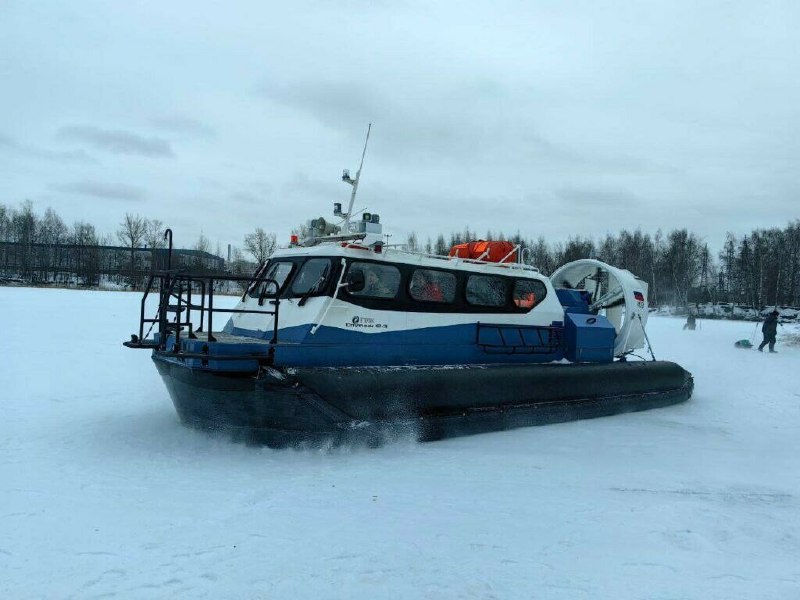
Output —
(104, 494)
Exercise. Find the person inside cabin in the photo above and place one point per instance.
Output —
(524, 294)
(433, 292)
(430, 289)
(374, 286)
(425, 288)
(525, 300)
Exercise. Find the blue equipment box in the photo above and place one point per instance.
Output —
(588, 338)
(574, 301)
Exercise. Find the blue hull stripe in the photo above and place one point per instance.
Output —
(453, 344)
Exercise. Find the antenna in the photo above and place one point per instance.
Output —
(354, 182)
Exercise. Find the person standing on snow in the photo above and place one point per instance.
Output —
(770, 330)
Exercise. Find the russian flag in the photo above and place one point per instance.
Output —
(638, 296)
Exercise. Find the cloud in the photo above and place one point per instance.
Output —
(597, 198)
(417, 123)
(107, 191)
(246, 198)
(116, 141)
(338, 104)
(184, 126)
(77, 156)
(469, 122)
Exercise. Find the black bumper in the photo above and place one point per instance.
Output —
(324, 405)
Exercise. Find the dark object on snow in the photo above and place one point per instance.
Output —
(770, 330)
(743, 344)
(691, 322)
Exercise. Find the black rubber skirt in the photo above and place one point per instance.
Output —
(281, 407)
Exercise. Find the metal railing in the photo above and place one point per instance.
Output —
(457, 259)
(183, 295)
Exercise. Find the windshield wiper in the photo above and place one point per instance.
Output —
(313, 289)
(252, 283)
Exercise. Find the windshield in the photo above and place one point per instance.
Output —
(312, 276)
(278, 271)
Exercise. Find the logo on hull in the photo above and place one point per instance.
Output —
(365, 323)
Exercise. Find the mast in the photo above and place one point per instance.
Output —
(354, 182)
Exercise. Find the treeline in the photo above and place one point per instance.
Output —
(38, 249)
(758, 269)
(42, 248)
(761, 268)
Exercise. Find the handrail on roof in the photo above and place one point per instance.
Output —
(395, 248)
(456, 259)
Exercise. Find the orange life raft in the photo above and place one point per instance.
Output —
(484, 250)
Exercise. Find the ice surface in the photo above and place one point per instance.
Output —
(105, 494)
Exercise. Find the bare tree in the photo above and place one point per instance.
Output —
(131, 234)
(52, 235)
(540, 256)
(5, 227)
(154, 241)
(260, 244)
(575, 248)
(154, 234)
(86, 258)
(132, 230)
(682, 261)
(727, 257)
(4, 223)
(441, 247)
(202, 245)
(240, 266)
(24, 229)
(791, 264)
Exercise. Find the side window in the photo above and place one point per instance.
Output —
(433, 286)
(528, 293)
(279, 271)
(380, 281)
(311, 277)
(484, 290)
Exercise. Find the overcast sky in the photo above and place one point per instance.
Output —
(551, 118)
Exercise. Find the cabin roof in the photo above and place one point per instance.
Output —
(395, 255)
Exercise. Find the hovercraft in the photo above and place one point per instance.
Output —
(340, 337)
